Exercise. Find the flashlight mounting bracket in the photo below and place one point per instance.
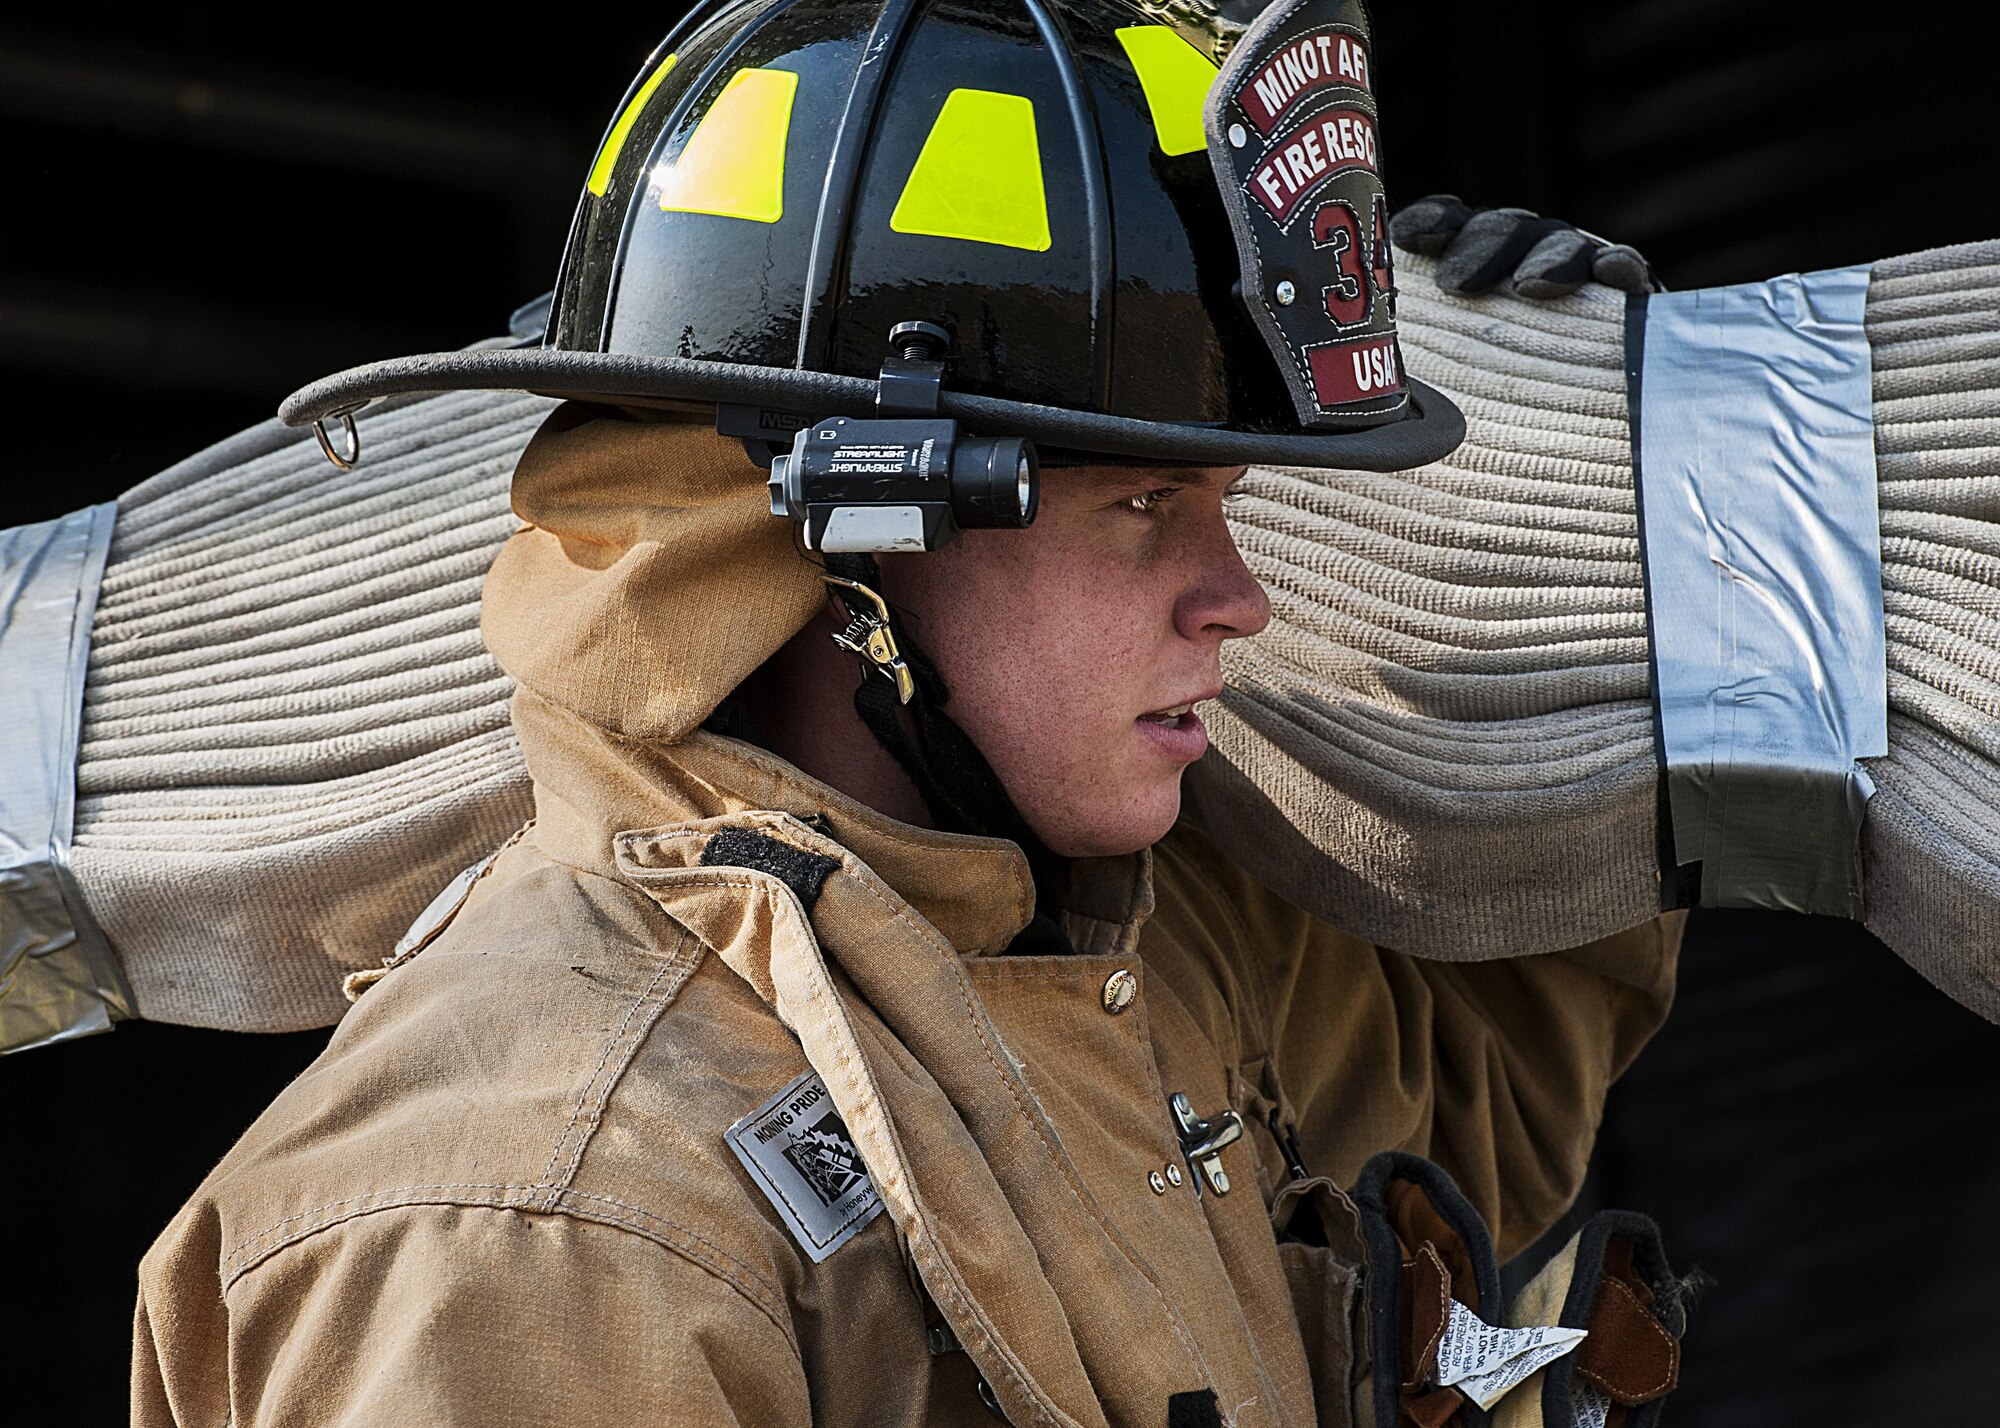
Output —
(906, 478)
(912, 374)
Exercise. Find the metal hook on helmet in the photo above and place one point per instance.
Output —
(353, 443)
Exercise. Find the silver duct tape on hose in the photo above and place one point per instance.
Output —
(1763, 550)
(58, 977)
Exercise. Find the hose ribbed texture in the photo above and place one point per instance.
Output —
(1444, 741)
(292, 736)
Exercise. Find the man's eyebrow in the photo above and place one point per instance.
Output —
(1197, 475)
(1220, 476)
(1138, 478)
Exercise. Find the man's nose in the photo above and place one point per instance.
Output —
(1226, 601)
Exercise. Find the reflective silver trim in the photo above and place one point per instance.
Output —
(58, 977)
(1756, 454)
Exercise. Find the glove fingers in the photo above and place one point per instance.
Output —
(1489, 248)
(1556, 266)
(1621, 267)
(1428, 225)
(1479, 249)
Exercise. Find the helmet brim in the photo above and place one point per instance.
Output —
(1428, 430)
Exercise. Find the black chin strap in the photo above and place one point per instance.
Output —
(957, 785)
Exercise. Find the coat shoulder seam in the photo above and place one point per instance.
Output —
(619, 1050)
(257, 1250)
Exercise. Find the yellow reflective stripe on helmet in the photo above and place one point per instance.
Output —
(979, 176)
(614, 142)
(734, 162)
(1176, 77)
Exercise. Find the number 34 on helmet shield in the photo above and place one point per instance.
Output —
(1100, 229)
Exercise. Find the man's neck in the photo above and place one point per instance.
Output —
(801, 703)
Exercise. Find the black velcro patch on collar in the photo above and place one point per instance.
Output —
(1194, 1409)
(804, 873)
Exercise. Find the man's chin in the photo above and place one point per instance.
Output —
(1137, 824)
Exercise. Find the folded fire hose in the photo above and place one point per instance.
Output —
(252, 730)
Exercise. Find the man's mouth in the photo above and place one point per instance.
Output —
(1176, 731)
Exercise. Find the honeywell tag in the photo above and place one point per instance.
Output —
(797, 1149)
(1484, 1361)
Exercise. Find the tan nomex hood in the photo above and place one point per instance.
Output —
(652, 578)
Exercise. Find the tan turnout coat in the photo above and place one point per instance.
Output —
(503, 1194)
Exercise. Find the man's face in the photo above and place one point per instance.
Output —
(1074, 649)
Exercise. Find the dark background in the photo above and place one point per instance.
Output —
(202, 215)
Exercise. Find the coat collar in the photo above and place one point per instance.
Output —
(592, 786)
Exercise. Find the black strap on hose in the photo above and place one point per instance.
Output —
(957, 785)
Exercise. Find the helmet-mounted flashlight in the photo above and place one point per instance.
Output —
(876, 484)
(906, 479)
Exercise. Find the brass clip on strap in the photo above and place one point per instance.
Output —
(868, 635)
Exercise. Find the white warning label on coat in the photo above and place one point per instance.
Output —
(797, 1149)
(1484, 1361)
(1590, 1406)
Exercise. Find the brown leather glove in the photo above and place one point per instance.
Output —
(1427, 1247)
(1593, 1341)
(1613, 1280)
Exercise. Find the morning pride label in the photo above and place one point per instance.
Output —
(799, 1153)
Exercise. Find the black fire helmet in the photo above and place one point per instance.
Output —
(1133, 257)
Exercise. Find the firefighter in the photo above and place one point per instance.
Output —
(881, 1044)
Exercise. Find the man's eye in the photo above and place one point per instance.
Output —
(1153, 499)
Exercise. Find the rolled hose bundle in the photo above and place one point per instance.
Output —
(292, 738)
(1445, 740)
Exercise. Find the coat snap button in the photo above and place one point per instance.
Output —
(1121, 989)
